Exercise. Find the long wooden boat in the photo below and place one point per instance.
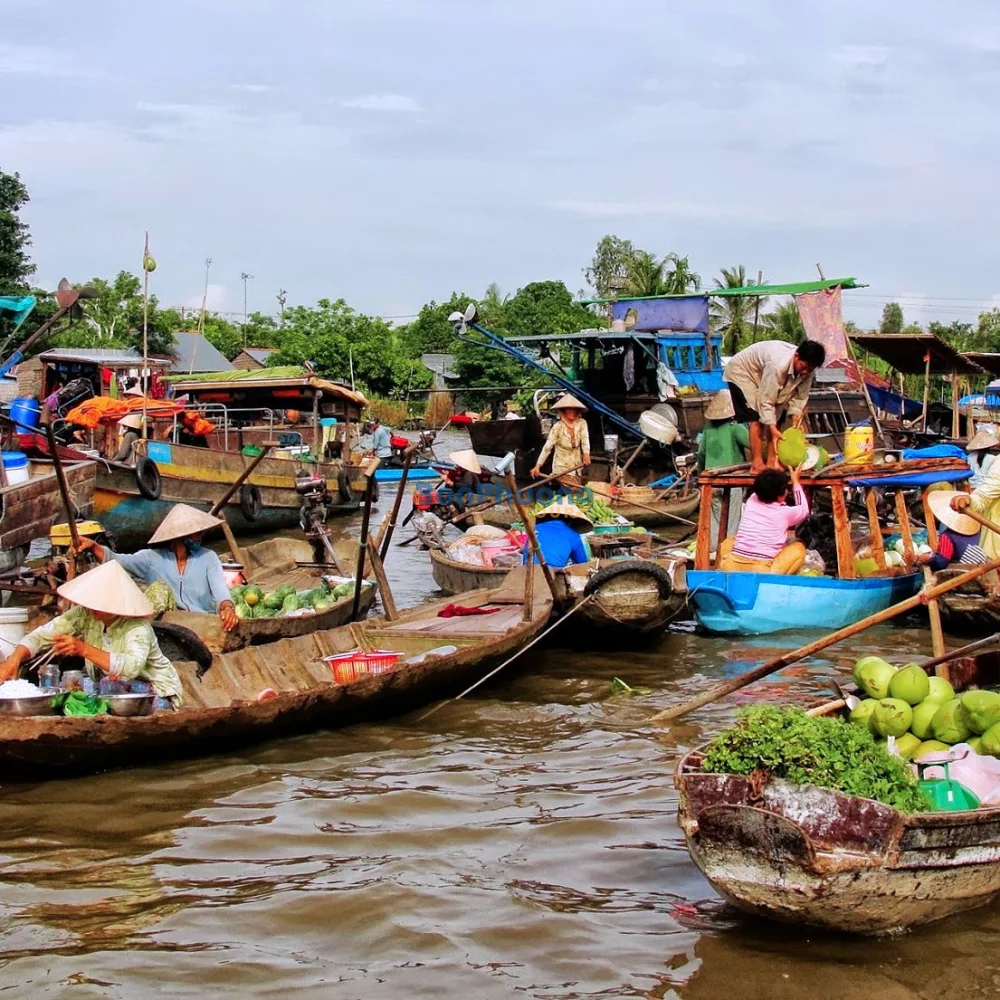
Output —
(231, 705)
(970, 610)
(744, 603)
(273, 563)
(655, 514)
(808, 855)
(28, 510)
(631, 597)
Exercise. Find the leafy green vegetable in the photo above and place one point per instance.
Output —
(787, 743)
(618, 686)
(76, 703)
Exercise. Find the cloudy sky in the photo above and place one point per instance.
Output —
(389, 151)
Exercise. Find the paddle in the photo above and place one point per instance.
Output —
(771, 666)
(67, 502)
(369, 470)
(407, 460)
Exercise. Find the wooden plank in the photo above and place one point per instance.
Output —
(723, 527)
(703, 546)
(383, 584)
(878, 547)
(903, 516)
(931, 521)
(842, 534)
(529, 596)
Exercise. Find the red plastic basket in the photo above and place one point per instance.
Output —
(350, 666)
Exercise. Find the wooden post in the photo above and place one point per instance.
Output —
(370, 466)
(703, 547)
(956, 429)
(529, 592)
(529, 527)
(878, 547)
(927, 389)
(317, 432)
(842, 534)
(937, 635)
(391, 527)
(903, 516)
(930, 521)
(621, 472)
(383, 584)
(723, 532)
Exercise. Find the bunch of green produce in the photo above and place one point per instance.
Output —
(159, 594)
(252, 602)
(786, 743)
(923, 712)
(596, 508)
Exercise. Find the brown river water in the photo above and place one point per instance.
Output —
(519, 843)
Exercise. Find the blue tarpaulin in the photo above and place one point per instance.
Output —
(892, 402)
(19, 305)
(916, 480)
(685, 315)
(934, 451)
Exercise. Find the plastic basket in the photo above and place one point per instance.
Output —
(347, 667)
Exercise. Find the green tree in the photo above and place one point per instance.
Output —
(892, 318)
(783, 323)
(645, 276)
(545, 307)
(608, 270)
(15, 264)
(431, 331)
(678, 278)
(732, 315)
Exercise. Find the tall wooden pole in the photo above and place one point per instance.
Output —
(363, 548)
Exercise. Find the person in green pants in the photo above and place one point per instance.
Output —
(723, 443)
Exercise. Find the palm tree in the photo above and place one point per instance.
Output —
(491, 306)
(732, 315)
(680, 279)
(645, 275)
(784, 323)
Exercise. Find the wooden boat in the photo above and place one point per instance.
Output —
(971, 609)
(655, 514)
(28, 510)
(633, 597)
(808, 855)
(229, 704)
(272, 563)
(754, 603)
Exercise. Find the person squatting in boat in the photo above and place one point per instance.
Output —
(761, 544)
(558, 529)
(177, 557)
(108, 628)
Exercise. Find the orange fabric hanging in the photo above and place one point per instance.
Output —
(92, 412)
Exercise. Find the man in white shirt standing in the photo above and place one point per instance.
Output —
(766, 380)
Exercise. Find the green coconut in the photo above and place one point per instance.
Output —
(976, 742)
(929, 746)
(906, 745)
(982, 709)
(873, 675)
(911, 684)
(941, 691)
(865, 567)
(891, 717)
(949, 724)
(792, 448)
(861, 714)
(923, 718)
(990, 740)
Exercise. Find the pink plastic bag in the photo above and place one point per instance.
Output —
(978, 772)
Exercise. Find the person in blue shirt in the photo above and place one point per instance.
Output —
(381, 439)
(177, 557)
(558, 528)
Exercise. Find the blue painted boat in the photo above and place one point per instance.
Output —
(393, 475)
(756, 603)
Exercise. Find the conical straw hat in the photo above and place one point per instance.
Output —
(982, 441)
(110, 589)
(567, 510)
(183, 521)
(131, 420)
(466, 460)
(720, 406)
(569, 402)
(134, 391)
(939, 502)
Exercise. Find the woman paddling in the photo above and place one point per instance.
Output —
(178, 558)
(108, 628)
(568, 441)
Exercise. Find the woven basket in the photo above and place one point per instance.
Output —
(603, 489)
(636, 494)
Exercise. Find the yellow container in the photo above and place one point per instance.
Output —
(859, 443)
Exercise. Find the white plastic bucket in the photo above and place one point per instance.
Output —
(15, 465)
(658, 427)
(12, 628)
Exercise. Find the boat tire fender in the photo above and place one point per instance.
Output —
(147, 478)
(250, 502)
(344, 486)
(617, 568)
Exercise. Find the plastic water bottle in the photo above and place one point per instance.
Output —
(49, 675)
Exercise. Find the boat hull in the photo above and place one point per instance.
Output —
(758, 603)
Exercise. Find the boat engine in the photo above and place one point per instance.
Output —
(316, 503)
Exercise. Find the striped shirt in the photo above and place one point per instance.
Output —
(764, 527)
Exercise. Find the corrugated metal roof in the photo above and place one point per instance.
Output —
(193, 353)
(440, 364)
(110, 357)
(906, 353)
(260, 354)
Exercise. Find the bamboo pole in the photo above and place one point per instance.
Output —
(387, 537)
(934, 610)
(927, 390)
(773, 665)
(363, 548)
(388, 602)
(529, 527)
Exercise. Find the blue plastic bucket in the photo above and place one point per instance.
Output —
(25, 412)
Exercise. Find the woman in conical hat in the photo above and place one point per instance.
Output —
(109, 628)
(569, 439)
(177, 557)
(557, 528)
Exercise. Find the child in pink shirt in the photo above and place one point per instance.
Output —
(761, 544)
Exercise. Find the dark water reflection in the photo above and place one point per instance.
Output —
(519, 843)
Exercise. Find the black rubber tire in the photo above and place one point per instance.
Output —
(147, 478)
(250, 502)
(344, 487)
(618, 567)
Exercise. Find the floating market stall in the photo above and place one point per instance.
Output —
(845, 838)
(750, 603)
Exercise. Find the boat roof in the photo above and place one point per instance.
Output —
(264, 380)
(910, 473)
(106, 357)
(990, 362)
(584, 335)
(792, 288)
(906, 352)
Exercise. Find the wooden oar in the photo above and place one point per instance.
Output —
(370, 466)
(620, 474)
(67, 502)
(536, 549)
(662, 513)
(407, 460)
(984, 521)
(934, 612)
(771, 666)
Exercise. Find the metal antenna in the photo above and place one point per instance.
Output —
(246, 277)
(204, 298)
